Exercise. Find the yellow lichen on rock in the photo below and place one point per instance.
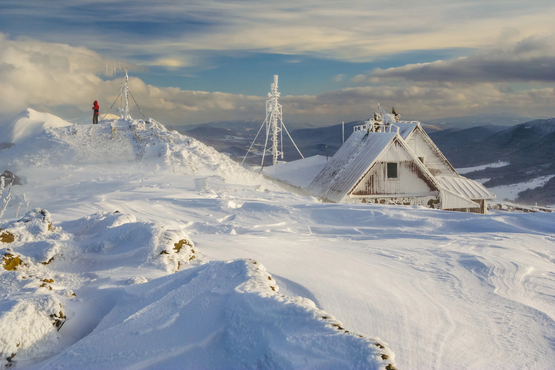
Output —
(6, 237)
(11, 262)
(177, 246)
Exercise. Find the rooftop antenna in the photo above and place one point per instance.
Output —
(274, 127)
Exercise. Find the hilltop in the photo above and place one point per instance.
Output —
(28, 123)
(232, 271)
(96, 282)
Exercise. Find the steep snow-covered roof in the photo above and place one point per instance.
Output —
(465, 187)
(406, 128)
(350, 162)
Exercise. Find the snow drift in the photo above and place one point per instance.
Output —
(222, 315)
(217, 315)
(27, 124)
(53, 142)
(42, 265)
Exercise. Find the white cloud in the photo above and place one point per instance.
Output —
(359, 79)
(340, 77)
(531, 59)
(354, 30)
(65, 80)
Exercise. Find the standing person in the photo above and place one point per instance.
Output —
(95, 114)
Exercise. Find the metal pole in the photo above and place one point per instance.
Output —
(343, 131)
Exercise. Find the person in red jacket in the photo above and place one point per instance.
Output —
(95, 114)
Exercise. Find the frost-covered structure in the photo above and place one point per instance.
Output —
(395, 162)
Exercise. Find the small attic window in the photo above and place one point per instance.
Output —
(392, 171)
(422, 159)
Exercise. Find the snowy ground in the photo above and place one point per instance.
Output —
(511, 191)
(464, 170)
(443, 290)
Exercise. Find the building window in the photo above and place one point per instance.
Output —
(392, 171)
(421, 159)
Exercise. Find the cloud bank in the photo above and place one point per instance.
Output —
(168, 33)
(66, 80)
(532, 59)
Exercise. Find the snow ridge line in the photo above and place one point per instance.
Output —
(39, 283)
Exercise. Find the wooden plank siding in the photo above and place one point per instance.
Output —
(421, 144)
(410, 179)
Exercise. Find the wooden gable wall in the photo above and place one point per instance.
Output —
(421, 144)
(410, 180)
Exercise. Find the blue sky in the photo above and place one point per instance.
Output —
(198, 61)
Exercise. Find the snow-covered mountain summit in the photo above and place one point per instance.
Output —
(134, 266)
(27, 124)
(44, 140)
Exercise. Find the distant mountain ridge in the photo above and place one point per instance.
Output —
(529, 148)
(461, 123)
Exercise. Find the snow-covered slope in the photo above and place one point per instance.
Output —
(122, 143)
(66, 302)
(222, 315)
(27, 124)
(445, 290)
(219, 315)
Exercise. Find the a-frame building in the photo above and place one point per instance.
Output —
(391, 162)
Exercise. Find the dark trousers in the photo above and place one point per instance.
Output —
(95, 117)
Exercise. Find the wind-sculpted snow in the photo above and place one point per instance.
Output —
(27, 124)
(61, 281)
(43, 265)
(446, 290)
(222, 315)
(124, 143)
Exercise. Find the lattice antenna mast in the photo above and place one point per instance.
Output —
(124, 93)
(125, 90)
(274, 127)
(274, 123)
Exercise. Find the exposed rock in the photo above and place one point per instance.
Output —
(10, 176)
(11, 262)
(177, 246)
(6, 237)
(59, 319)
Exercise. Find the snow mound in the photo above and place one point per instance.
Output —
(221, 315)
(123, 142)
(298, 173)
(108, 240)
(30, 313)
(41, 263)
(27, 124)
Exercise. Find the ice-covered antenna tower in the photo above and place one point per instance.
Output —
(274, 122)
(124, 93)
(274, 127)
